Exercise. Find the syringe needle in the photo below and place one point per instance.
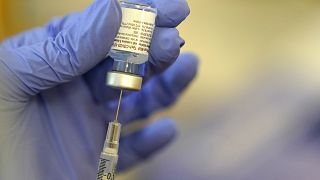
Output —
(118, 108)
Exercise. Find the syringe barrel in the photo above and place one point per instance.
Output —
(107, 166)
(109, 156)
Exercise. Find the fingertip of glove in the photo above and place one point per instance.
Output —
(166, 128)
(172, 15)
(156, 135)
(190, 59)
(185, 68)
(93, 33)
(165, 46)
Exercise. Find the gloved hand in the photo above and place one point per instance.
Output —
(54, 105)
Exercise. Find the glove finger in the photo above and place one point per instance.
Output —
(170, 12)
(164, 50)
(158, 93)
(146, 142)
(71, 53)
(40, 34)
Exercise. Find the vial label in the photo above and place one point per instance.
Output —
(135, 32)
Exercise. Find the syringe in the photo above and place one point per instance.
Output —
(109, 156)
(130, 52)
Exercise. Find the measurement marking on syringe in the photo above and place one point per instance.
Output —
(102, 166)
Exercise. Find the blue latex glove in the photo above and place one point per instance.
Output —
(54, 105)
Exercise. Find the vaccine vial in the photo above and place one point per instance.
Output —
(130, 50)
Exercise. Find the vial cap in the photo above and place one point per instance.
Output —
(124, 81)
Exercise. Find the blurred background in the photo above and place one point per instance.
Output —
(254, 110)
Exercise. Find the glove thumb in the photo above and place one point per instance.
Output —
(71, 53)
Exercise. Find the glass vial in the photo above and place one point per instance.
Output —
(130, 50)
